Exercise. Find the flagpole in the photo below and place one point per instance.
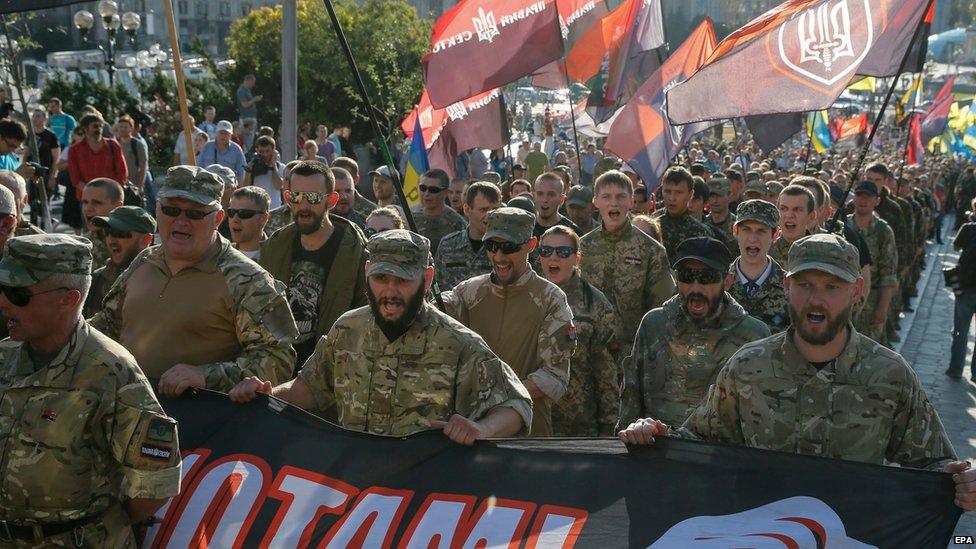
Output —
(387, 157)
(507, 133)
(572, 114)
(874, 127)
(174, 44)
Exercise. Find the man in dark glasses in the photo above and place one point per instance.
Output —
(447, 376)
(127, 230)
(434, 218)
(681, 345)
(460, 255)
(193, 310)
(524, 318)
(84, 432)
(320, 256)
(247, 215)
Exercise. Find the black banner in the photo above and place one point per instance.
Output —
(267, 474)
(13, 6)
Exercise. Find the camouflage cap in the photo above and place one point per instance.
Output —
(757, 210)
(825, 252)
(720, 186)
(399, 253)
(30, 259)
(8, 202)
(579, 195)
(755, 186)
(752, 175)
(127, 218)
(192, 183)
(511, 224)
(774, 187)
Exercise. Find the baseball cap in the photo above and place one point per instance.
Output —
(127, 218)
(8, 202)
(753, 175)
(30, 259)
(709, 251)
(867, 187)
(225, 126)
(192, 183)
(755, 186)
(757, 210)
(825, 252)
(226, 175)
(510, 224)
(383, 171)
(398, 253)
(720, 186)
(774, 187)
(579, 195)
(523, 203)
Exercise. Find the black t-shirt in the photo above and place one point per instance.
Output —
(309, 275)
(855, 238)
(47, 141)
(476, 244)
(563, 221)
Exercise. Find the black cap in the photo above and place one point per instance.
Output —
(709, 251)
(867, 187)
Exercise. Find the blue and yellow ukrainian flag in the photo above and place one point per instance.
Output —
(818, 130)
(417, 165)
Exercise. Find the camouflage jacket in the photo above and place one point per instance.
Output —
(723, 232)
(436, 369)
(780, 252)
(891, 212)
(866, 405)
(264, 324)
(674, 359)
(675, 229)
(357, 218)
(363, 206)
(631, 269)
(102, 280)
(456, 261)
(436, 228)
(884, 254)
(592, 401)
(100, 253)
(769, 303)
(279, 217)
(81, 434)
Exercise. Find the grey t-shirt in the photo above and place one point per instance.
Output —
(244, 94)
(135, 153)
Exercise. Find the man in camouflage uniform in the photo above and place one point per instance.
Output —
(345, 187)
(884, 276)
(628, 266)
(87, 451)
(901, 222)
(128, 230)
(720, 218)
(757, 280)
(797, 213)
(400, 366)
(820, 388)
(460, 255)
(755, 189)
(681, 345)
(592, 401)
(433, 217)
(677, 224)
(193, 310)
(524, 318)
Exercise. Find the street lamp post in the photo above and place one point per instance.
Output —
(108, 11)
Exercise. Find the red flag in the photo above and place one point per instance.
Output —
(641, 134)
(937, 115)
(798, 57)
(431, 120)
(479, 45)
(916, 147)
(851, 133)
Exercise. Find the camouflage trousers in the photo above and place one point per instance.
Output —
(112, 530)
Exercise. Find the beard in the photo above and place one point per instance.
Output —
(713, 306)
(311, 226)
(395, 328)
(833, 326)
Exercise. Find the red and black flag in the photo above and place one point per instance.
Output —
(920, 48)
(851, 132)
(479, 45)
(798, 57)
(576, 18)
(641, 135)
(937, 115)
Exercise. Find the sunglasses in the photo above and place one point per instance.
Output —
(296, 197)
(561, 251)
(703, 276)
(195, 215)
(506, 248)
(430, 189)
(119, 233)
(243, 213)
(20, 297)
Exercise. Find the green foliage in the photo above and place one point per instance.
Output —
(387, 38)
(87, 91)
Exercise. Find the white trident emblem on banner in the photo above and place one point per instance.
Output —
(485, 25)
(829, 43)
(825, 37)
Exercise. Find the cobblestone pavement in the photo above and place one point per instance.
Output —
(926, 336)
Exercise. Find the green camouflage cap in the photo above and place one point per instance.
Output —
(510, 224)
(399, 253)
(720, 186)
(579, 195)
(756, 186)
(758, 210)
(30, 259)
(192, 183)
(825, 252)
(127, 218)
(774, 187)
(8, 202)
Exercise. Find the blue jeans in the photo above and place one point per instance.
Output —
(965, 308)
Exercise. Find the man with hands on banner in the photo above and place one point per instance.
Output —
(400, 366)
(821, 388)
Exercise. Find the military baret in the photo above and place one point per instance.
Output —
(30, 259)
(825, 252)
(399, 253)
(511, 224)
(192, 183)
(758, 210)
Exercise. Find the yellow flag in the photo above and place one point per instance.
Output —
(865, 84)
